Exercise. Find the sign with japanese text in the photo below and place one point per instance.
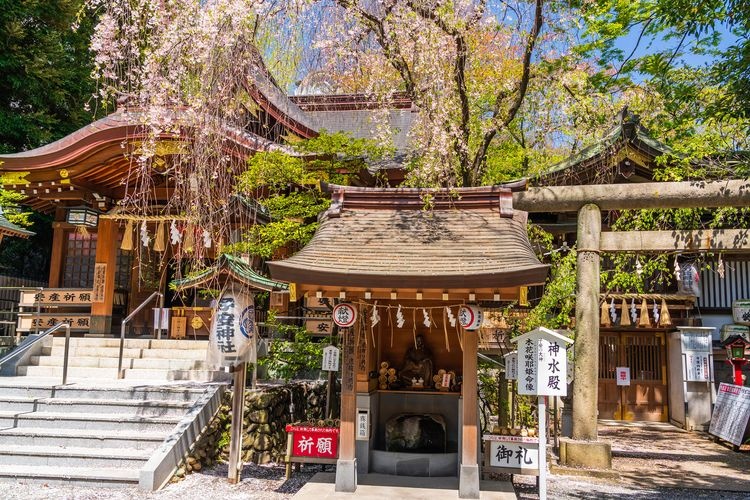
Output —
(55, 297)
(100, 281)
(623, 375)
(696, 341)
(542, 363)
(344, 314)
(330, 359)
(697, 365)
(319, 326)
(233, 333)
(514, 452)
(363, 424)
(731, 413)
(47, 320)
(511, 366)
(314, 442)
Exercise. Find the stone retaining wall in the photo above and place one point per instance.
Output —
(267, 412)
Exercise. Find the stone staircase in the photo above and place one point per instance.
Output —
(108, 435)
(143, 359)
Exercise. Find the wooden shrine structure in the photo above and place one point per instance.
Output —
(407, 270)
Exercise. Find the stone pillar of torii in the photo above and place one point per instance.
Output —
(584, 449)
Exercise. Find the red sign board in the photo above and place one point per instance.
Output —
(314, 442)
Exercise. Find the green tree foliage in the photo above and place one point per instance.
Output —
(291, 353)
(290, 187)
(45, 68)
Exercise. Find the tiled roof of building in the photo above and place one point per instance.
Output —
(233, 268)
(380, 238)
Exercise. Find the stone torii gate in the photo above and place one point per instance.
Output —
(584, 449)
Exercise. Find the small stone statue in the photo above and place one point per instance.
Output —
(417, 364)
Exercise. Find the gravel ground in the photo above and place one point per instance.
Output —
(569, 488)
(265, 482)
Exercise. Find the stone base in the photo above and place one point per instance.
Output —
(468, 481)
(588, 454)
(346, 476)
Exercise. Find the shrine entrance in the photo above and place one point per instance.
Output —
(645, 354)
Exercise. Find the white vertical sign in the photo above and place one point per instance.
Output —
(542, 365)
(511, 366)
(363, 424)
(697, 366)
(330, 359)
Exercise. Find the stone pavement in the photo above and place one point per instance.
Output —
(380, 487)
(662, 455)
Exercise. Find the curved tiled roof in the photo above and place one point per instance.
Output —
(384, 238)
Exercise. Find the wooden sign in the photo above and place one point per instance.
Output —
(317, 326)
(55, 297)
(45, 321)
(512, 454)
(179, 327)
(511, 366)
(100, 281)
(542, 363)
(731, 413)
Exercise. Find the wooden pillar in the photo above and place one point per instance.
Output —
(106, 263)
(468, 481)
(56, 259)
(346, 466)
(585, 387)
(238, 413)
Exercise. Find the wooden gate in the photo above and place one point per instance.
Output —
(646, 396)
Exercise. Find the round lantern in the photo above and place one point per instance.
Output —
(470, 317)
(233, 335)
(344, 314)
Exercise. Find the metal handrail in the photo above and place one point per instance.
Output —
(26, 347)
(130, 316)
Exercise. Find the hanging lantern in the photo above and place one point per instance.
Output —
(470, 317)
(160, 238)
(127, 237)
(644, 320)
(82, 217)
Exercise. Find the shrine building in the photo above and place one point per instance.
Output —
(405, 261)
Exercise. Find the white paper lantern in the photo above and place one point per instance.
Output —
(470, 317)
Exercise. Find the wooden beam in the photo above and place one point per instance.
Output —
(708, 240)
(693, 194)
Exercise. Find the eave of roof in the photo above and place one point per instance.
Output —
(7, 228)
(626, 133)
(234, 268)
(385, 238)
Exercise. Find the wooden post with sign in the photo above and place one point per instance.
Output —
(238, 408)
(331, 365)
(542, 369)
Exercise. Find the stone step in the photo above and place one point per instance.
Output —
(93, 351)
(197, 354)
(138, 440)
(101, 477)
(95, 362)
(17, 404)
(88, 421)
(122, 407)
(182, 392)
(42, 456)
(133, 343)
